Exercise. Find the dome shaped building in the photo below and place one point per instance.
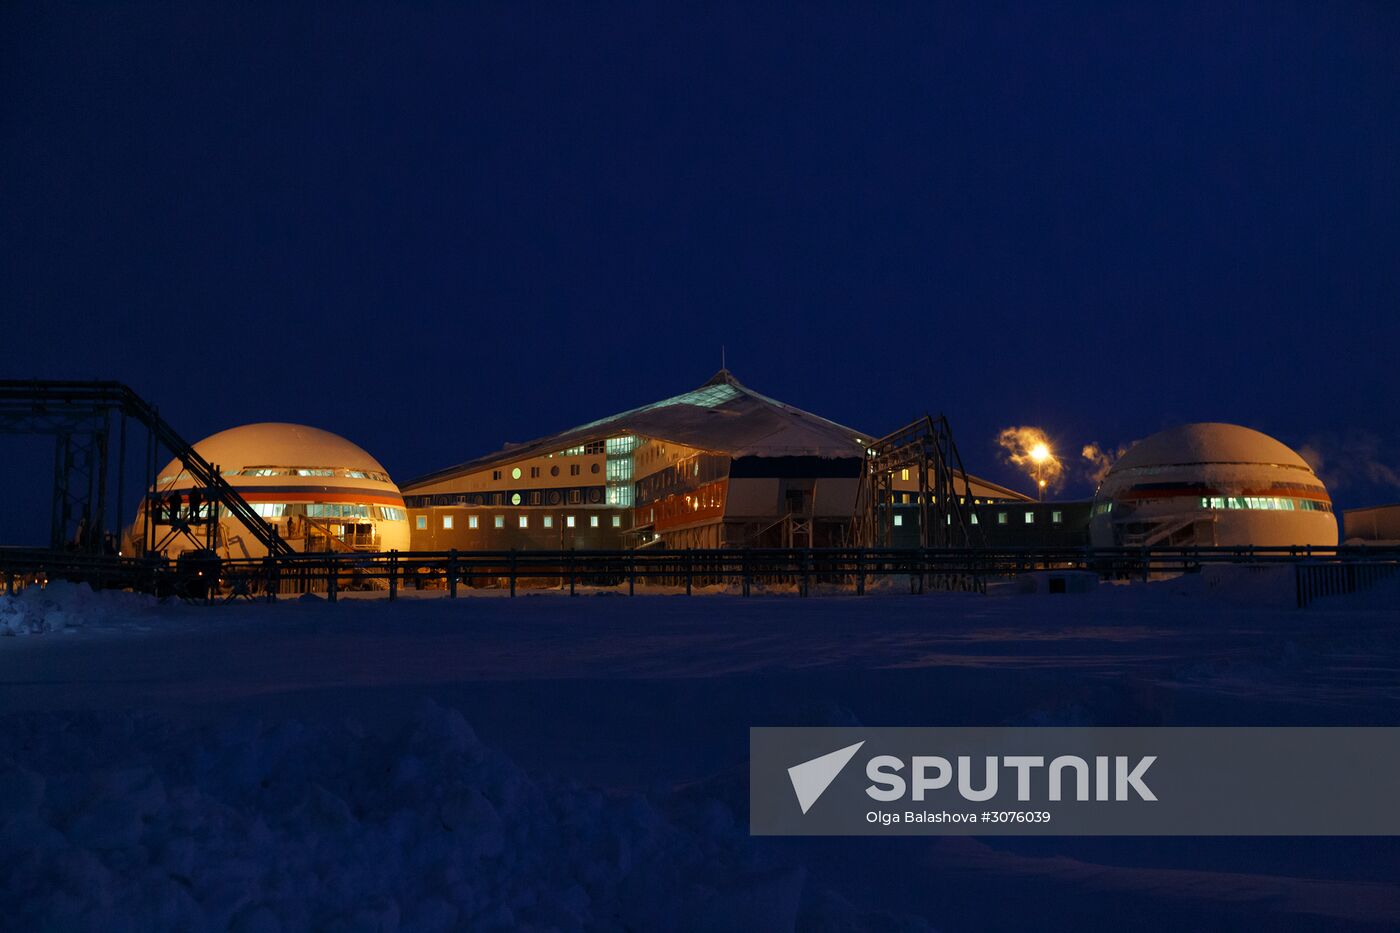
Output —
(320, 492)
(1211, 484)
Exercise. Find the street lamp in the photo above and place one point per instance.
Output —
(1039, 454)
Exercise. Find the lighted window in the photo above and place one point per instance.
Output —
(515, 498)
(592, 521)
(337, 510)
(974, 518)
(898, 521)
(1001, 518)
(904, 474)
(1057, 517)
(515, 473)
(1030, 517)
(421, 523)
(524, 521)
(549, 521)
(500, 521)
(617, 521)
(569, 522)
(472, 522)
(447, 522)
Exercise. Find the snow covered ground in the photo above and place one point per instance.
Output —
(557, 763)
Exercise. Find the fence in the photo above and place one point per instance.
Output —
(1321, 571)
(1317, 580)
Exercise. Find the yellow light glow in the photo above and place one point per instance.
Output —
(1040, 453)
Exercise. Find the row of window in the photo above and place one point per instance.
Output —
(589, 449)
(1056, 518)
(1268, 503)
(912, 498)
(517, 472)
(293, 471)
(579, 495)
(449, 522)
(310, 471)
(616, 448)
(386, 513)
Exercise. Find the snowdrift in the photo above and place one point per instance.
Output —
(118, 823)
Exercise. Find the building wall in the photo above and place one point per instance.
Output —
(1005, 524)
(561, 470)
(1376, 525)
(442, 528)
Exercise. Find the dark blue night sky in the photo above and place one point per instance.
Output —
(437, 228)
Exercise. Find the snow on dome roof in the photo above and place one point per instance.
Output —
(272, 443)
(1209, 442)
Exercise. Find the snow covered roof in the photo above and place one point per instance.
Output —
(272, 443)
(723, 415)
(1209, 443)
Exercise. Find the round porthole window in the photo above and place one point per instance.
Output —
(515, 497)
(595, 468)
(554, 471)
(515, 473)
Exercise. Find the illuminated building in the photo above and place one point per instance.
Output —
(719, 466)
(320, 492)
(1212, 484)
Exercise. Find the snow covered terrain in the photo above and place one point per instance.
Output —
(551, 763)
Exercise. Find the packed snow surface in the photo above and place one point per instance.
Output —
(551, 763)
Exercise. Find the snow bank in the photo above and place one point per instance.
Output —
(1274, 586)
(126, 822)
(66, 607)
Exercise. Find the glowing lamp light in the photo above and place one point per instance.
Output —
(1040, 453)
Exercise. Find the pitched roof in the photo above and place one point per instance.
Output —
(723, 415)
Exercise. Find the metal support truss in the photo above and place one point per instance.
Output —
(925, 446)
(79, 416)
(80, 470)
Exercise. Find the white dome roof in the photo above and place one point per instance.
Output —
(272, 443)
(1208, 443)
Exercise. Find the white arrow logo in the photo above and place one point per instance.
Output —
(811, 778)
